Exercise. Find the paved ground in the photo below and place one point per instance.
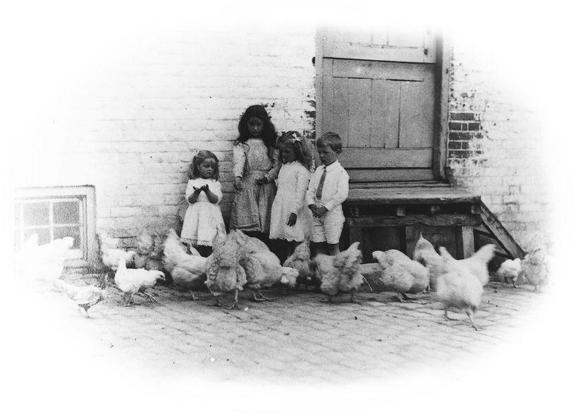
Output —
(298, 337)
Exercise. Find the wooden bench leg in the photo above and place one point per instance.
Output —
(467, 244)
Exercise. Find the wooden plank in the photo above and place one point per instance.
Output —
(335, 49)
(500, 233)
(416, 127)
(414, 195)
(420, 185)
(437, 220)
(327, 96)
(386, 158)
(359, 111)
(442, 81)
(379, 175)
(349, 68)
(319, 64)
(385, 114)
(340, 117)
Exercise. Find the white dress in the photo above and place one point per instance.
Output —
(290, 198)
(203, 218)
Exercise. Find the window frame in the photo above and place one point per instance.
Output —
(86, 194)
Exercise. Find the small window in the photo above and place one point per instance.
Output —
(56, 212)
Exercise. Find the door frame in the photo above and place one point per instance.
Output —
(442, 91)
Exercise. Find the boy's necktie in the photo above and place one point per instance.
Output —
(321, 185)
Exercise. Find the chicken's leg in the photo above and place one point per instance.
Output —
(446, 315)
(145, 294)
(471, 317)
(259, 297)
(352, 295)
(235, 303)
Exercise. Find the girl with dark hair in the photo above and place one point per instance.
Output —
(291, 219)
(255, 168)
(203, 219)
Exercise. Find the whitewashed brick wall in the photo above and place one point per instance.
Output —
(132, 127)
(496, 147)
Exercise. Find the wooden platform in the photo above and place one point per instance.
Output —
(392, 215)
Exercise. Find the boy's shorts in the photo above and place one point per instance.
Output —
(328, 228)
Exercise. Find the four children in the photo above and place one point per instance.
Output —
(303, 206)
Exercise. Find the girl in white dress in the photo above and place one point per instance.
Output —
(203, 219)
(291, 219)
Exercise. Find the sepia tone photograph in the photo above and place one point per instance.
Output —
(308, 211)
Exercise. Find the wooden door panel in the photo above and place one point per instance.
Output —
(382, 175)
(386, 158)
(416, 127)
(347, 68)
(359, 112)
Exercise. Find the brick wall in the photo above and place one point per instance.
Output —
(495, 146)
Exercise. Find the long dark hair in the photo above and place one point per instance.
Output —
(268, 131)
(194, 172)
(301, 150)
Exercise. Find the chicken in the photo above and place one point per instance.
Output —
(534, 268)
(223, 270)
(42, 262)
(401, 274)
(135, 281)
(84, 297)
(264, 270)
(188, 271)
(458, 287)
(339, 273)
(300, 260)
(111, 254)
(249, 243)
(477, 264)
(425, 254)
(509, 271)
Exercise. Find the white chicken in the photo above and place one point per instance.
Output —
(459, 288)
(188, 271)
(340, 273)
(509, 271)
(401, 274)
(477, 264)
(84, 297)
(135, 281)
(425, 253)
(111, 254)
(535, 268)
(42, 263)
(264, 270)
(301, 260)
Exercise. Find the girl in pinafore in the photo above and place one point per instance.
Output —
(291, 219)
(203, 219)
(255, 169)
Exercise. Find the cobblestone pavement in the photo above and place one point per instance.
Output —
(298, 337)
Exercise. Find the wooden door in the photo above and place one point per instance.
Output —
(378, 93)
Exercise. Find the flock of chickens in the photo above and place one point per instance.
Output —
(240, 262)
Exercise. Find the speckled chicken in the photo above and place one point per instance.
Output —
(224, 273)
(339, 274)
(401, 274)
(477, 264)
(135, 281)
(458, 288)
(188, 271)
(425, 253)
(149, 247)
(509, 270)
(300, 260)
(262, 266)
